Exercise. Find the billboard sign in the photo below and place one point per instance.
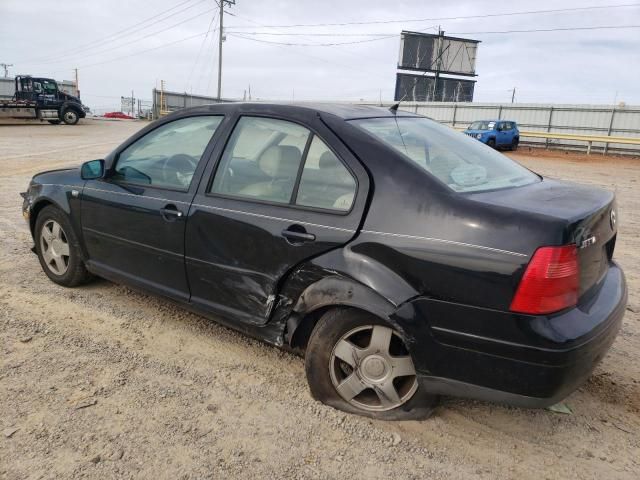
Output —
(430, 53)
(422, 88)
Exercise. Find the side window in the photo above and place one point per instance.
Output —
(325, 181)
(261, 160)
(167, 156)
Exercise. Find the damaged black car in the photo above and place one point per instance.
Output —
(403, 259)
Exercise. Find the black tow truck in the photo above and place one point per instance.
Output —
(40, 99)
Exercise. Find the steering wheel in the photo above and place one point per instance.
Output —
(178, 169)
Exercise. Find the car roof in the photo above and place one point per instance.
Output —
(343, 110)
(496, 121)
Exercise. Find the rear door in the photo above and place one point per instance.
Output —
(283, 189)
(505, 133)
(133, 220)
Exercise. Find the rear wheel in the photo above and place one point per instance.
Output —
(514, 144)
(70, 116)
(58, 248)
(357, 363)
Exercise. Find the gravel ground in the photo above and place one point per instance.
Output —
(104, 382)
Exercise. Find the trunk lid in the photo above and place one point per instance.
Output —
(580, 214)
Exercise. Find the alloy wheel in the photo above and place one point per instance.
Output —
(371, 369)
(54, 247)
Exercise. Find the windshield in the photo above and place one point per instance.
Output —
(459, 161)
(482, 125)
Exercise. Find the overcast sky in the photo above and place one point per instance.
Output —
(51, 38)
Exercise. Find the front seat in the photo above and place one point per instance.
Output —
(280, 163)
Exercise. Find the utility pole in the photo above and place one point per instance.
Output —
(132, 104)
(221, 39)
(438, 63)
(6, 66)
(513, 95)
(77, 86)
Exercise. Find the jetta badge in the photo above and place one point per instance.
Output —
(588, 242)
(612, 219)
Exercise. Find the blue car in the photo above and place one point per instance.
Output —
(495, 133)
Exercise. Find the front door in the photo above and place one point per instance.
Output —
(133, 220)
(282, 192)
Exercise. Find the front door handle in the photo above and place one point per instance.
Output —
(298, 235)
(170, 212)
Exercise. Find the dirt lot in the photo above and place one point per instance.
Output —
(103, 382)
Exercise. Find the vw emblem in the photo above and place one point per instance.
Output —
(612, 218)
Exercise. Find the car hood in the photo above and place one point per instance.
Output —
(61, 176)
(474, 132)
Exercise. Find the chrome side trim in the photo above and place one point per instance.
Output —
(231, 268)
(448, 242)
(131, 242)
(228, 210)
(268, 217)
(58, 185)
(137, 196)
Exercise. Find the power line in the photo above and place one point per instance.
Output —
(144, 51)
(536, 30)
(310, 34)
(204, 40)
(119, 34)
(333, 44)
(437, 19)
(309, 56)
(129, 42)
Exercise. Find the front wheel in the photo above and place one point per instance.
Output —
(357, 363)
(491, 143)
(58, 248)
(70, 116)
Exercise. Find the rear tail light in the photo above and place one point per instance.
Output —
(550, 282)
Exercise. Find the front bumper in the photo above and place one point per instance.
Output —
(530, 361)
(26, 206)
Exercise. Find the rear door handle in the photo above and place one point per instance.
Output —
(294, 236)
(170, 212)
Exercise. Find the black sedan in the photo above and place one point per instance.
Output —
(404, 259)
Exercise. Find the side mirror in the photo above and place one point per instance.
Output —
(92, 169)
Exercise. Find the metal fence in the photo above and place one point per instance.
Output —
(618, 121)
(622, 120)
(165, 101)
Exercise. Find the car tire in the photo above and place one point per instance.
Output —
(70, 116)
(514, 144)
(58, 248)
(327, 372)
(54, 122)
(491, 143)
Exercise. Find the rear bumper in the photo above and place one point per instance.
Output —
(531, 361)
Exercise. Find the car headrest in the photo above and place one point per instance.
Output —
(280, 161)
(327, 161)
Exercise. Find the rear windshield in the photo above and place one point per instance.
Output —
(461, 162)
